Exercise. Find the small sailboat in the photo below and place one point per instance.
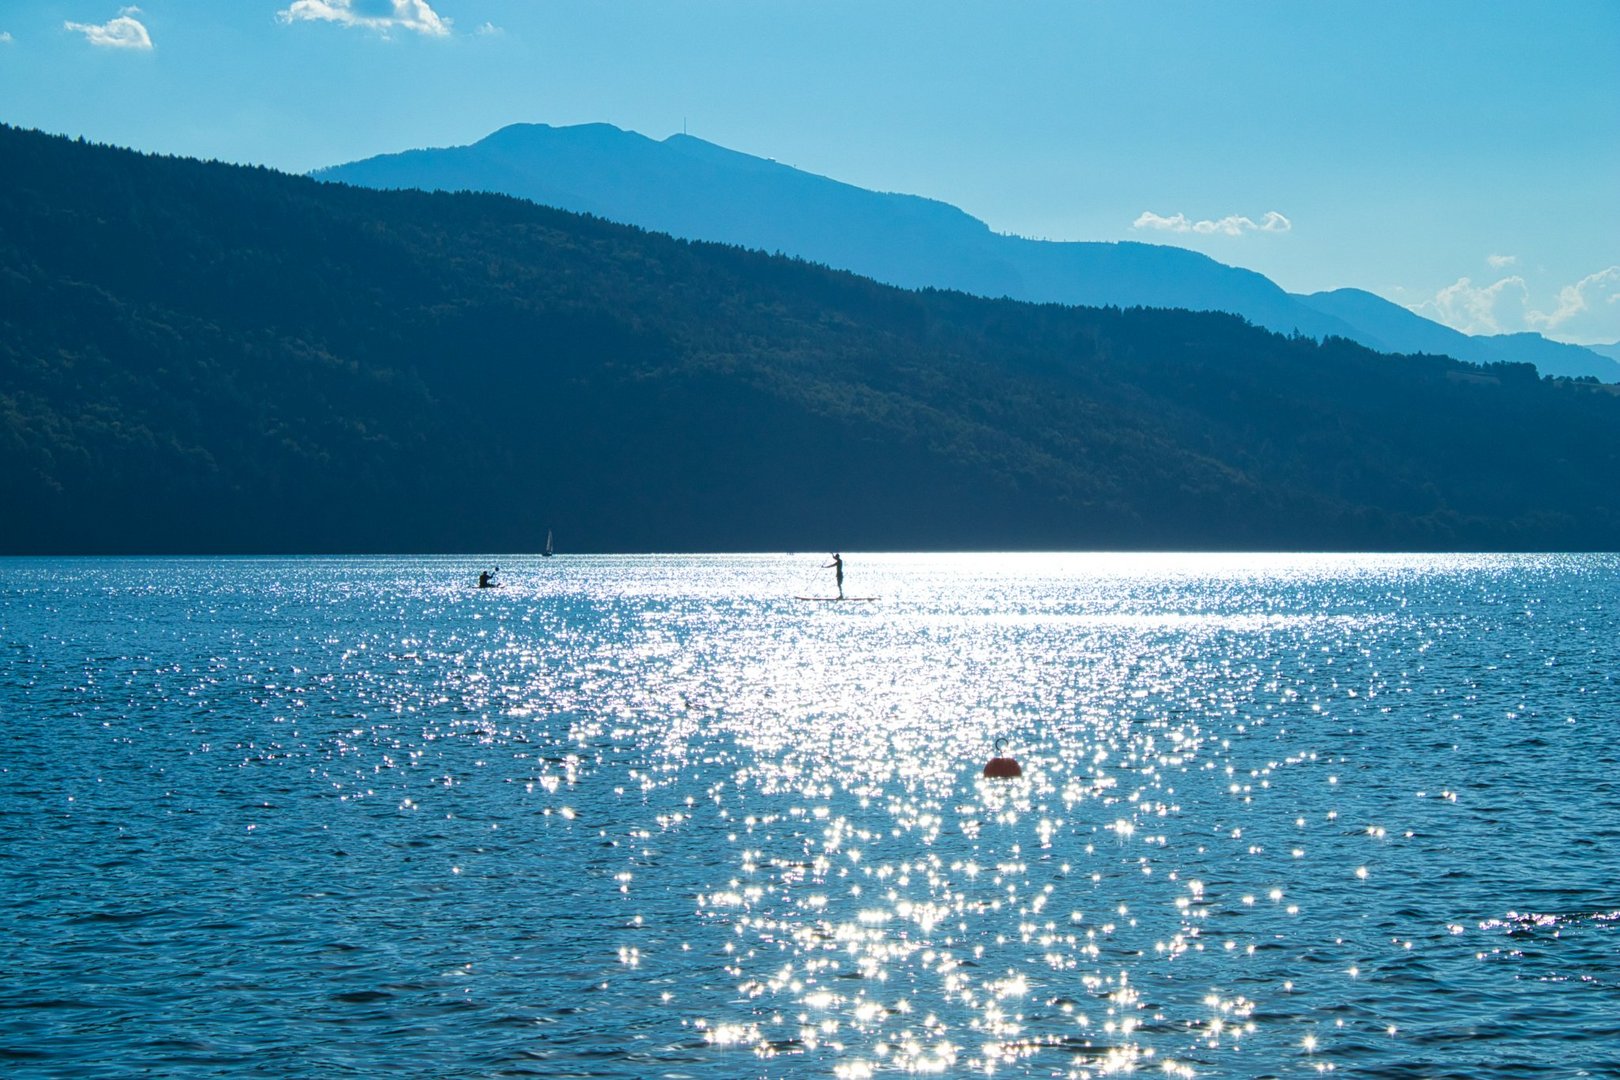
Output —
(546, 554)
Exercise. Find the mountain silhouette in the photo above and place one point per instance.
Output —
(696, 190)
(200, 357)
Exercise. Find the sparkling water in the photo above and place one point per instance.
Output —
(656, 817)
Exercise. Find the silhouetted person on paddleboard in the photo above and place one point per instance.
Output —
(486, 580)
(837, 566)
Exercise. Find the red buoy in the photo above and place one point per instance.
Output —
(1002, 768)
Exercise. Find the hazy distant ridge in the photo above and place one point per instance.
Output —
(694, 189)
(697, 190)
(1381, 324)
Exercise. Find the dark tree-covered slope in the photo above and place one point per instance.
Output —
(201, 357)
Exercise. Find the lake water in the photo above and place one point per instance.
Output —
(654, 817)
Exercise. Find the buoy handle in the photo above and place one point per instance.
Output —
(999, 744)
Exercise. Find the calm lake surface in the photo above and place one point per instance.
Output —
(654, 817)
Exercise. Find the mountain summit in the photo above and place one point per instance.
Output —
(696, 190)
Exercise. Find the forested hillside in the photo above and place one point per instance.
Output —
(201, 357)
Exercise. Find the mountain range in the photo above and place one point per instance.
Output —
(696, 190)
(200, 357)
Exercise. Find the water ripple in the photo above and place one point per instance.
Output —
(625, 817)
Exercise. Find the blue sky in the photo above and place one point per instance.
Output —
(1461, 157)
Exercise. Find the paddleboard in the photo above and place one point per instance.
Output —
(836, 599)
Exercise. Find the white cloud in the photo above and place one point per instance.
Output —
(1231, 225)
(124, 32)
(379, 15)
(1588, 310)
(1574, 299)
(1498, 262)
(1472, 308)
(489, 29)
(5, 38)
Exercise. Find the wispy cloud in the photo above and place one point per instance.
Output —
(489, 29)
(1231, 225)
(123, 32)
(1500, 262)
(379, 15)
(1574, 299)
(5, 38)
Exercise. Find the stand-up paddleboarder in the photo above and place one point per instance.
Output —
(837, 566)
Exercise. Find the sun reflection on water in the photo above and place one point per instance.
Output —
(887, 862)
(758, 829)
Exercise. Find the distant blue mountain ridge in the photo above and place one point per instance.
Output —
(696, 190)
